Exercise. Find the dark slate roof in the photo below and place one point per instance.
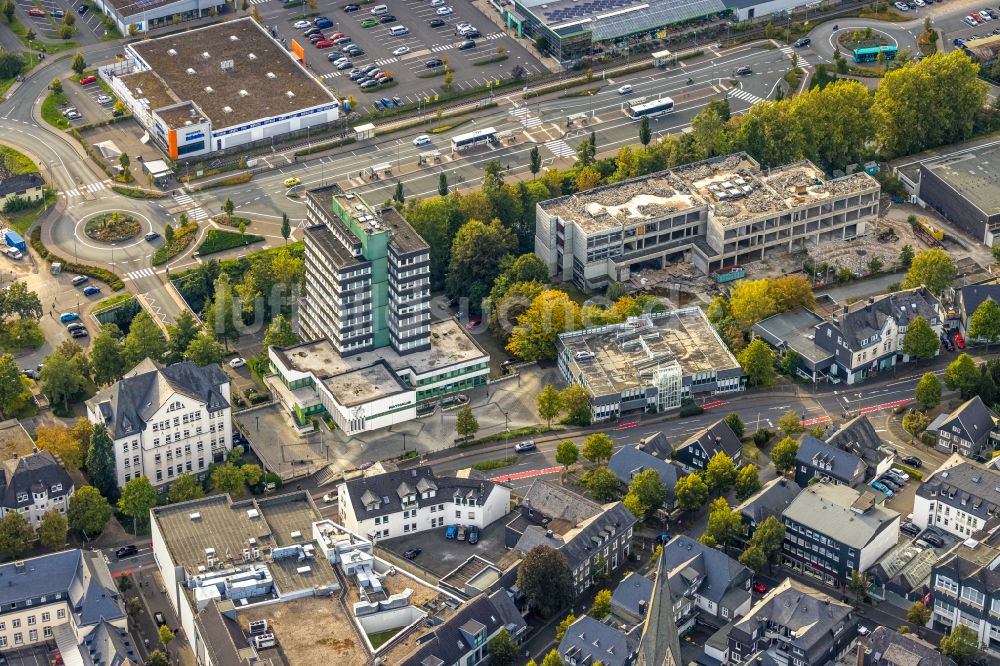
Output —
(685, 556)
(633, 594)
(34, 473)
(448, 642)
(859, 437)
(811, 614)
(865, 319)
(973, 416)
(973, 296)
(715, 438)
(389, 488)
(885, 646)
(127, 404)
(629, 461)
(591, 638)
(771, 500)
(965, 485)
(107, 645)
(20, 183)
(581, 547)
(660, 644)
(843, 466)
(558, 502)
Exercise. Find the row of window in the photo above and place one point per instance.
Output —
(32, 637)
(45, 617)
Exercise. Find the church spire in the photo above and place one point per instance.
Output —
(660, 644)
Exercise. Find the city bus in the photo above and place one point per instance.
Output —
(871, 54)
(472, 139)
(652, 109)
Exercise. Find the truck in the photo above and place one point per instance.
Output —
(14, 240)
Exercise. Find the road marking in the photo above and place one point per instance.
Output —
(745, 96)
(887, 405)
(530, 121)
(197, 214)
(386, 61)
(560, 148)
(184, 199)
(822, 419)
(135, 275)
(717, 403)
(526, 475)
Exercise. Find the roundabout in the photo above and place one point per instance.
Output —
(82, 231)
(113, 227)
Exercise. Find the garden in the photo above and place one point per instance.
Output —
(113, 227)
(219, 240)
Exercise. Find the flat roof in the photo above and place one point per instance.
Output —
(612, 18)
(682, 336)
(797, 328)
(14, 440)
(975, 175)
(364, 384)
(402, 234)
(131, 8)
(263, 80)
(834, 509)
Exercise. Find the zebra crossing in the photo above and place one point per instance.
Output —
(257, 2)
(519, 111)
(386, 61)
(739, 93)
(494, 35)
(93, 188)
(530, 121)
(330, 75)
(441, 47)
(560, 148)
(787, 50)
(197, 213)
(135, 275)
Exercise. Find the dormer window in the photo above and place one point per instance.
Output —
(56, 487)
(22, 496)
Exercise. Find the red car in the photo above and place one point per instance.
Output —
(35, 11)
(325, 44)
(87, 80)
(959, 341)
(336, 35)
(760, 587)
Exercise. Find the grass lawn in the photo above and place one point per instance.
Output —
(380, 637)
(22, 220)
(495, 463)
(51, 113)
(16, 161)
(219, 240)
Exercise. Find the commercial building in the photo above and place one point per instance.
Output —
(965, 589)
(969, 430)
(710, 587)
(33, 485)
(130, 16)
(695, 452)
(713, 214)
(965, 189)
(217, 88)
(591, 536)
(834, 530)
(382, 506)
(374, 353)
(166, 421)
(650, 363)
(816, 459)
(959, 497)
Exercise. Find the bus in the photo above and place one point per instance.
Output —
(871, 54)
(473, 139)
(652, 109)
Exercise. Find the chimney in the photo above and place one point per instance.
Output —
(846, 307)
(871, 302)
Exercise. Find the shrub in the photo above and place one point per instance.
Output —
(183, 237)
(689, 408)
(102, 274)
(219, 240)
(914, 473)
(138, 192)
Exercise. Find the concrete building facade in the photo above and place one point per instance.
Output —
(965, 189)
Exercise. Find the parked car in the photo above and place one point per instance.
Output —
(369, 84)
(355, 52)
(902, 476)
(351, 8)
(398, 101)
(913, 461)
(324, 23)
(347, 64)
(473, 535)
(970, 21)
(526, 445)
(909, 528)
(412, 553)
(237, 362)
(889, 482)
(74, 326)
(67, 317)
(388, 18)
(434, 63)
(330, 497)
(83, 9)
(402, 50)
(159, 618)
(35, 11)
(933, 540)
(444, 11)
(79, 279)
(881, 487)
(436, 23)
(127, 551)
(325, 44)
(299, 25)
(87, 80)
(451, 532)
(104, 100)
(467, 44)
(461, 533)
(311, 31)
(387, 103)
(79, 333)
(959, 341)
(73, 115)
(369, 23)
(341, 41)
(58, 13)
(91, 290)
(760, 588)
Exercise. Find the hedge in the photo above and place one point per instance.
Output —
(219, 240)
(238, 179)
(137, 192)
(513, 434)
(325, 146)
(102, 274)
(182, 239)
(500, 57)
(233, 221)
(914, 473)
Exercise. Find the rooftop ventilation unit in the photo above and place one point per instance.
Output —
(209, 89)
(190, 70)
(171, 52)
(271, 75)
(244, 93)
(227, 109)
(234, 38)
(194, 516)
(205, 55)
(252, 56)
(253, 513)
(289, 94)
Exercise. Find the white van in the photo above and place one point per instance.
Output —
(378, 10)
(398, 30)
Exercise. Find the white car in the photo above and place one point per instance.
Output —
(971, 21)
(13, 253)
(986, 15)
(920, 3)
(402, 50)
(73, 115)
(330, 497)
(903, 7)
(422, 140)
(444, 11)
(237, 362)
(527, 445)
(104, 99)
(437, 3)
(301, 25)
(625, 89)
(463, 26)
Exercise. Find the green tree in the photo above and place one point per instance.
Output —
(534, 161)
(875, 266)
(157, 658)
(564, 625)
(984, 324)
(398, 195)
(204, 350)
(645, 136)
(915, 422)
(646, 493)
(769, 536)
(443, 184)
(503, 650)
(724, 524)
(88, 511)
(137, 498)
(918, 615)
(601, 608)
(691, 493)
(165, 635)
(961, 644)
(546, 580)
(602, 484)
(228, 478)
(15, 534)
(107, 357)
(720, 473)
(64, 377)
(549, 403)
(8, 10)
(221, 313)
(56, 86)
(186, 487)
(920, 340)
(79, 64)
(783, 454)
(466, 424)
(10, 381)
(751, 301)
(858, 586)
(476, 255)
(252, 474)
(790, 423)
(933, 268)
(286, 227)
(52, 530)
(576, 402)
(18, 300)
(757, 361)
(184, 329)
(928, 391)
(906, 256)
(753, 558)
(747, 482)
(144, 340)
(553, 658)
(124, 162)
(567, 454)
(961, 375)
(228, 207)
(735, 423)
(280, 333)
(597, 448)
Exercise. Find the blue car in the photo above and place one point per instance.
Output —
(451, 532)
(67, 317)
(323, 23)
(91, 290)
(387, 103)
(881, 487)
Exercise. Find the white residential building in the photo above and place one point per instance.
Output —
(959, 497)
(382, 506)
(166, 422)
(33, 485)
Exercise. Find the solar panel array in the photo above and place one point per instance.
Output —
(658, 14)
(578, 10)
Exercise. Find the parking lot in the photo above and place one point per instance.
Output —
(89, 27)
(987, 26)
(33, 656)
(87, 100)
(423, 43)
(440, 556)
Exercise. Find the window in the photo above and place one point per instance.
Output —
(947, 584)
(33, 635)
(48, 632)
(60, 613)
(3, 641)
(970, 594)
(31, 620)
(18, 639)
(16, 622)
(458, 514)
(45, 617)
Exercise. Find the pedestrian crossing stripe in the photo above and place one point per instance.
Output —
(787, 50)
(184, 199)
(386, 61)
(531, 121)
(330, 75)
(560, 148)
(746, 96)
(438, 49)
(197, 214)
(79, 191)
(519, 111)
(494, 35)
(135, 275)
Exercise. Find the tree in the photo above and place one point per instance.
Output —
(553, 658)
(597, 448)
(125, 162)
(928, 391)
(918, 615)
(534, 337)
(601, 608)
(753, 558)
(602, 484)
(443, 184)
(920, 340)
(64, 377)
(56, 86)
(549, 403)
(769, 537)
(502, 649)
(228, 479)
(783, 454)
(88, 511)
(875, 266)
(107, 357)
(157, 658)
(720, 473)
(101, 462)
(137, 498)
(10, 381)
(8, 10)
(757, 361)
(587, 179)
(747, 482)
(750, 301)
(961, 375)
(252, 474)
(221, 313)
(933, 268)
(476, 254)
(961, 644)
(18, 300)
(567, 454)
(534, 161)
(144, 340)
(546, 580)
(564, 625)
(724, 524)
(735, 423)
(646, 493)
(576, 402)
(906, 256)
(186, 487)
(398, 195)
(228, 207)
(15, 534)
(60, 441)
(790, 423)
(79, 64)
(52, 529)
(858, 586)
(184, 329)
(466, 424)
(165, 635)
(286, 227)
(644, 134)
(690, 493)
(205, 350)
(984, 324)
(915, 422)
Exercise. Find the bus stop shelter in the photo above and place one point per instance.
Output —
(362, 132)
(663, 58)
(158, 169)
